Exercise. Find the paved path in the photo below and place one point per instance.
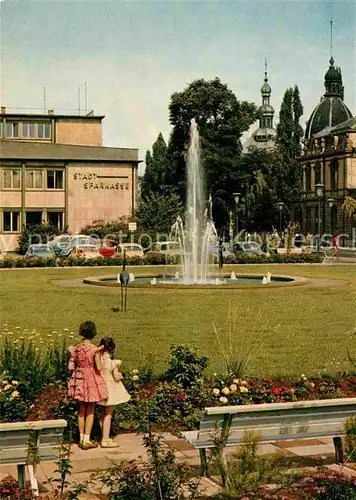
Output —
(303, 453)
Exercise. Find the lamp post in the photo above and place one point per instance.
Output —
(280, 206)
(319, 188)
(330, 202)
(236, 199)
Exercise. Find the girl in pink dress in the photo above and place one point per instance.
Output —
(116, 390)
(87, 384)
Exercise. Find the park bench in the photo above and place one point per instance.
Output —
(226, 425)
(28, 443)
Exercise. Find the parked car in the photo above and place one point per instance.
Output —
(164, 248)
(39, 250)
(65, 246)
(107, 248)
(214, 250)
(130, 249)
(248, 247)
(86, 252)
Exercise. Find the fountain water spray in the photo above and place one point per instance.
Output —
(199, 232)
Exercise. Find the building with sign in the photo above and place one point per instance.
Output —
(54, 169)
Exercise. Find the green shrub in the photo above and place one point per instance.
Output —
(36, 233)
(12, 407)
(350, 441)
(186, 366)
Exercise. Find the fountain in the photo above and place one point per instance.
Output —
(199, 231)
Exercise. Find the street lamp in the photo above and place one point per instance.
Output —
(236, 199)
(330, 202)
(280, 206)
(319, 188)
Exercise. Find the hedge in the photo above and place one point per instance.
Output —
(10, 262)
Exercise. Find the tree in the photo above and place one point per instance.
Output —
(221, 120)
(158, 212)
(157, 167)
(289, 134)
(349, 207)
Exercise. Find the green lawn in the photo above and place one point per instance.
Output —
(288, 331)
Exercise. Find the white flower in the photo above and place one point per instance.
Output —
(236, 381)
(303, 377)
(134, 378)
(65, 329)
(312, 384)
(233, 387)
(216, 391)
(243, 388)
(223, 400)
(5, 382)
(225, 391)
(135, 372)
(7, 387)
(15, 382)
(244, 382)
(14, 395)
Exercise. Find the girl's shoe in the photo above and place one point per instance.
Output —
(87, 445)
(109, 443)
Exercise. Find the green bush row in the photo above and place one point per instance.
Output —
(154, 260)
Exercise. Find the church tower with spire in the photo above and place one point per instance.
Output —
(263, 137)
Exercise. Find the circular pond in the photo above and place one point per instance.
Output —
(215, 281)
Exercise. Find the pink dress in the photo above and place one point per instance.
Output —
(86, 384)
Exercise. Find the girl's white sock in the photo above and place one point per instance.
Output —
(86, 438)
(81, 437)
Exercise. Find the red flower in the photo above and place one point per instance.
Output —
(137, 396)
(181, 397)
(268, 381)
(171, 396)
(149, 394)
(276, 391)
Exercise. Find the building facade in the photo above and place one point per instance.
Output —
(328, 158)
(53, 169)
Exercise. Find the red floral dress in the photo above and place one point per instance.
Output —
(86, 384)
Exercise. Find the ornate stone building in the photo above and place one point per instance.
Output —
(328, 158)
(263, 137)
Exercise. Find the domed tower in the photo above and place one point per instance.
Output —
(264, 136)
(331, 110)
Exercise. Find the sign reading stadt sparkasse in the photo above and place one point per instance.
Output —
(95, 182)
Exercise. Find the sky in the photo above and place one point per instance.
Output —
(134, 55)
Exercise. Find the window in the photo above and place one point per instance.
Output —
(28, 130)
(12, 129)
(33, 179)
(317, 171)
(55, 179)
(334, 175)
(333, 219)
(55, 219)
(308, 219)
(11, 178)
(11, 222)
(33, 218)
(308, 178)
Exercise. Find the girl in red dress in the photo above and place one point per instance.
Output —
(87, 384)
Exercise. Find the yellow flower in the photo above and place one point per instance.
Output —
(134, 378)
(216, 391)
(233, 387)
(223, 400)
(243, 388)
(14, 395)
(7, 387)
(49, 335)
(65, 329)
(135, 372)
(225, 391)
(236, 381)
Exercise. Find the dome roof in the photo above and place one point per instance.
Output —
(266, 89)
(266, 108)
(329, 112)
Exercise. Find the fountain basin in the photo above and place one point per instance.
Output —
(225, 282)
